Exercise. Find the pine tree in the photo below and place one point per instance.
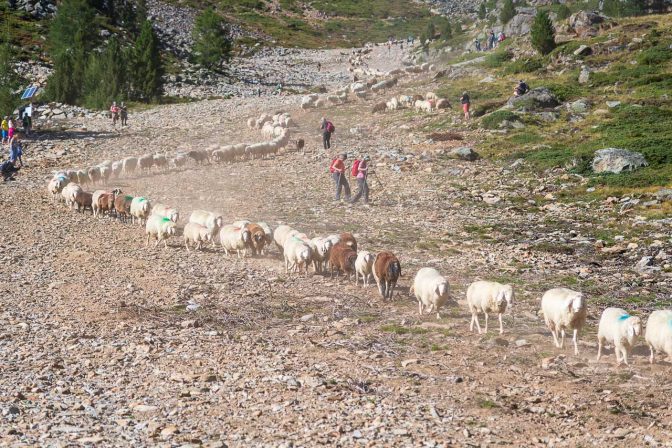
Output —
(446, 31)
(212, 44)
(9, 81)
(482, 11)
(72, 36)
(140, 14)
(542, 33)
(146, 68)
(508, 11)
(564, 12)
(105, 77)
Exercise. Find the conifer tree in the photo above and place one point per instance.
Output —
(542, 33)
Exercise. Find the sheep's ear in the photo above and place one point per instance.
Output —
(632, 332)
(569, 304)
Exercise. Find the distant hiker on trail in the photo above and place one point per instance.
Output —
(477, 44)
(360, 169)
(8, 169)
(501, 37)
(319, 67)
(466, 104)
(27, 123)
(5, 130)
(327, 128)
(338, 174)
(521, 89)
(123, 114)
(10, 128)
(114, 113)
(492, 40)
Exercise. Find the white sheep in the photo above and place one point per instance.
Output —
(235, 238)
(431, 96)
(659, 333)
(619, 328)
(268, 232)
(56, 185)
(297, 254)
(140, 209)
(69, 194)
(564, 309)
(130, 164)
(432, 290)
(211, 220)
(280, 235)
(116, 168)
(320, 248)
(196, 234)
(363, 266)
(160, 228)
(487, 297)
(166, 212)
(393, 104)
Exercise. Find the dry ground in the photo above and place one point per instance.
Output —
(98, 347)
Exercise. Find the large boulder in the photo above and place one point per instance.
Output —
(464, 153)
(588, 23)
(536, 99)
(615, 160)
(519, 25)
(384, 84)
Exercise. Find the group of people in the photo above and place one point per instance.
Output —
(12, 139)
(491, 41)
(339, 171)
(119, 113)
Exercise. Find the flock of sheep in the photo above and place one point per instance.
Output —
(564, 310)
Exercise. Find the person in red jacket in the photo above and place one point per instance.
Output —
(339, 175)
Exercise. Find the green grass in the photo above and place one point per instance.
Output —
(523, 66)
(398, 329)
(493, 120)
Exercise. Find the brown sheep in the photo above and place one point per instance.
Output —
(386, 271)
(348, 239)
(257, 238)
(84, 200)
(199, 156)
(418, 98)
(342, 258)
(379, 107)
(122, 205)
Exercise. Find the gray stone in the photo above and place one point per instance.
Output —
(664, 195)
(465, 153)
(536, 99)
(612, 104)
(587, 23)
(583, 50)
(579, 106)
(614, 160)
(584, 76)
(520, 24)
(384, 84)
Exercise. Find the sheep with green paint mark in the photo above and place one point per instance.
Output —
(140, 209)
(159, 228)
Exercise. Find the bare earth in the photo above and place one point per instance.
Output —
(98, 348)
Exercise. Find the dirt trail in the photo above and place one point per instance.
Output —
(106, 343)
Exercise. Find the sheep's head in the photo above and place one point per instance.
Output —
(219, 221)
(634, 326)
(245, 236)
(576, 303)
(442, 289)
(506, 295)
(368, 258)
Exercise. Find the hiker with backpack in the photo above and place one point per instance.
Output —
(521, 89)
(466, 104)
(327, 128)
(360, 170)
(338, 174)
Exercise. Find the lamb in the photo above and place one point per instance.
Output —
(348, 239)
(82, 177)
(234, 238)
(658, 334)
(320, 248)
(198, 156)
(431, 96)
(129, 165)
(280, 235)
(116, 168)
(342, 258)
(486, 297)
(105, 172)
(425, 106)
(379, 107)
(257, 238)
(160, 228)
(210, 220)
(104, 202)
(122, 205)
(621, 329)
(69, 194)
(443, 103)
(146, 162)
(94, 174)
(297, 254)
(393, 104)
(431, 290)
(564, 309)
(386, 272)
(196, 234)
(364, 266)
(165, 212)
(140, 209)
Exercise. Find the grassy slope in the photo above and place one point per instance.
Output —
(640, 77)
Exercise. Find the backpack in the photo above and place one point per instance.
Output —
(330, 127)
(355, 168)
(331, 167)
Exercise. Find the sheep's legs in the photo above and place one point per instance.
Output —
(474, 320)
(624, 355)
(147, 243)
(574, 339)
(420, 307)
(501, 326)
(186, 245)
(486, 323)
(555, 337)
(651, 357)
(562, 338)
(600, 342)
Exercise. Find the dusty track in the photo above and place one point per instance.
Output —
(97, 346)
